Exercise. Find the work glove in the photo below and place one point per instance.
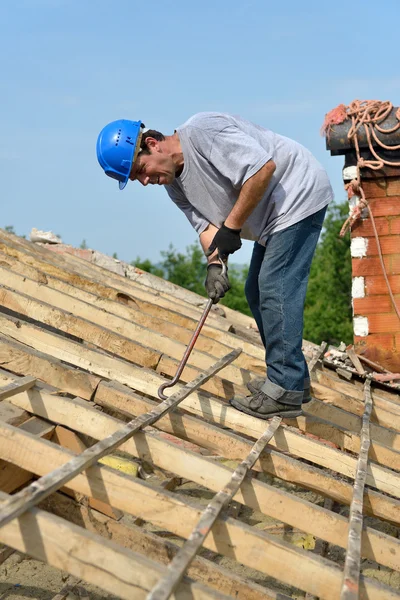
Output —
(226, 240)
(217, 282)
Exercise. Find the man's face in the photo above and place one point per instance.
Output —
(154, 168)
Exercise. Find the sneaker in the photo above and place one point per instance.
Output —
(263, 407)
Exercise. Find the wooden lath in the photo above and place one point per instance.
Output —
(122, 342)
(77, 415)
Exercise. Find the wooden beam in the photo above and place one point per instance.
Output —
(150, 447)
(345, 439)
(148, 315)
(208, 408)
(69, 439)
(25, 383)
(158, 549)
(91, 557)
(31, 495)
(229, 445)
(137, 344)
(31, 298)
(234, 539)
(351, 572)
(350, 422)
(350, 398)
(13, 477)
(23, 360)
(58, 266)
(180, 563)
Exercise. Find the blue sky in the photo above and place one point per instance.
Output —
(70, 66)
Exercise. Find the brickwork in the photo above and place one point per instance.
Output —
(382, 342)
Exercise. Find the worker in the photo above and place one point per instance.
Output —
(234, 179)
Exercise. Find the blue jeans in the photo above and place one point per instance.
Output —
(276, 289)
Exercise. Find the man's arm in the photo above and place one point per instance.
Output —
(206, 237)
(227, 239)
(250, 195)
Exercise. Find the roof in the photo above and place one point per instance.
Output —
(83, 351)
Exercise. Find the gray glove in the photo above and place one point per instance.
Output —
(217, 282)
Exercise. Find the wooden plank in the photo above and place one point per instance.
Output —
(348, 397)
(79, 327)
(355, 360)
(218, 386)
(58, 265)
(229, 445)
(158, 284)
(9, 413)
(26, 296)
(276, 503)
(158, 549)
(180, 563)
(351, 572)
(31, 495)
(119, 336)
(208, 408)
(345, 439)
(149, 315)
(343, 419)
(11, 476)
(68, 439)
(25, 383)
(91, 557)
(24, 360)
(234, 539)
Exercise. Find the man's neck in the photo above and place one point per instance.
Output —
(172, 145)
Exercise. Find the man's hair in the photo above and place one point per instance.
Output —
(150, 133)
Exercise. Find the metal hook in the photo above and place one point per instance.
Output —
(192, 342)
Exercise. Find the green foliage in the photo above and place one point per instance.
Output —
(328, 311)
(147, 265)
(11, 229)
(115, 255)
(83, 245)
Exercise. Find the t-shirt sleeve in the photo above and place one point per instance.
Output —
(195, 218)
(237, 156)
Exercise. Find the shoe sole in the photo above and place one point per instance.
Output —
(286, 414)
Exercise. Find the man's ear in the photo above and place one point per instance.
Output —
(152, 144)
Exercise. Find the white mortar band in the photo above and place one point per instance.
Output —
(349, 173)
(358, 287)
(360, 326)
(358, 247)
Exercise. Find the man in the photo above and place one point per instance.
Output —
(234, 179)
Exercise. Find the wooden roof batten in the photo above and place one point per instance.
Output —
(69, 347)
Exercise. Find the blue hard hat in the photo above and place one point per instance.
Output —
(116, 149)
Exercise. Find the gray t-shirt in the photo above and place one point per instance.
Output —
(221, 152)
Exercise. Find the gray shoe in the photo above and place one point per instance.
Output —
(256, 384)
(263, 407)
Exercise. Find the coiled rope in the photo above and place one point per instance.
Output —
(369, 114)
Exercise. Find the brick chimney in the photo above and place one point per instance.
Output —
(375, 322)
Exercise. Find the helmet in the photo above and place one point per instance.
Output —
(117, 147)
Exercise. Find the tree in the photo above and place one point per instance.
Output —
(83, 245)
(147, 265)
(328, 310)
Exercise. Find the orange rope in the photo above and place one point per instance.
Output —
(369, 114)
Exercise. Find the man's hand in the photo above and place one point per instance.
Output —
(217, 282)
(226, 240)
